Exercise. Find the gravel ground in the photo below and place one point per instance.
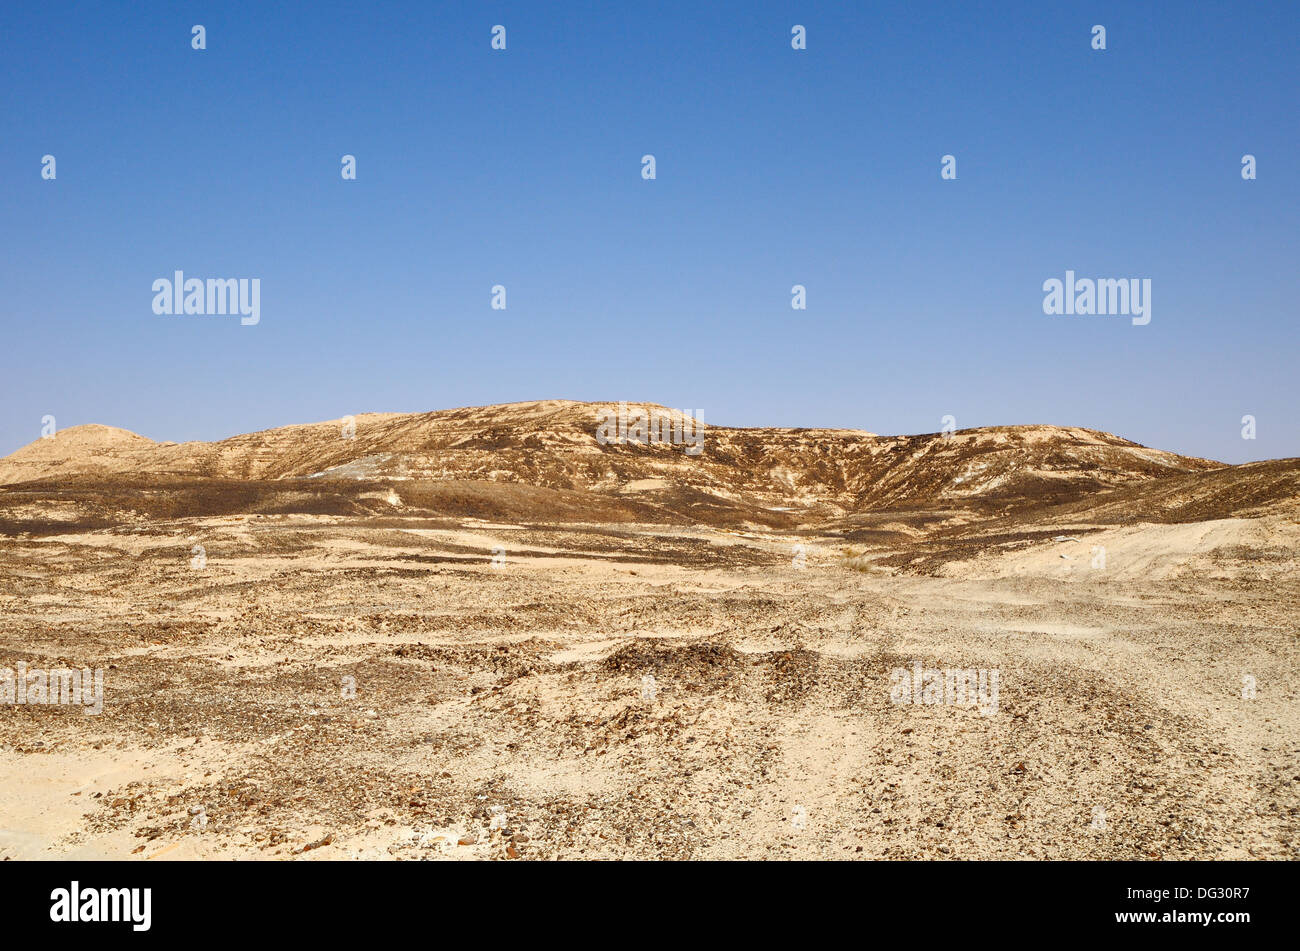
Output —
(327, 687)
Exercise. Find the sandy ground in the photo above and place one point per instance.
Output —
(507, 712)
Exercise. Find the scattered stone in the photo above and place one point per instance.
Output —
(319, 843)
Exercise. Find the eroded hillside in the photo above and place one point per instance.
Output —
(762, 475)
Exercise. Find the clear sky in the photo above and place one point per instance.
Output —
(775, 167)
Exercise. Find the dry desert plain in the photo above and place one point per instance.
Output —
(483, 634)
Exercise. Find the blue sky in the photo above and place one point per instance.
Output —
(775, 167)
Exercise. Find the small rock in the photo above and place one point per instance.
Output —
(323, 841)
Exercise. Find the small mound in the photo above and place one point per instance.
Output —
(698, 658)
(89, 438)
(87, 448)
(791, 672)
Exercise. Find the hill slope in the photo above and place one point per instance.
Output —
(553, 445)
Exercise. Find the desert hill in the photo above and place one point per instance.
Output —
(73, 451)
(552, 445)
(1245, 491)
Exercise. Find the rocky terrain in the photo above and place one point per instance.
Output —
(483, 634)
